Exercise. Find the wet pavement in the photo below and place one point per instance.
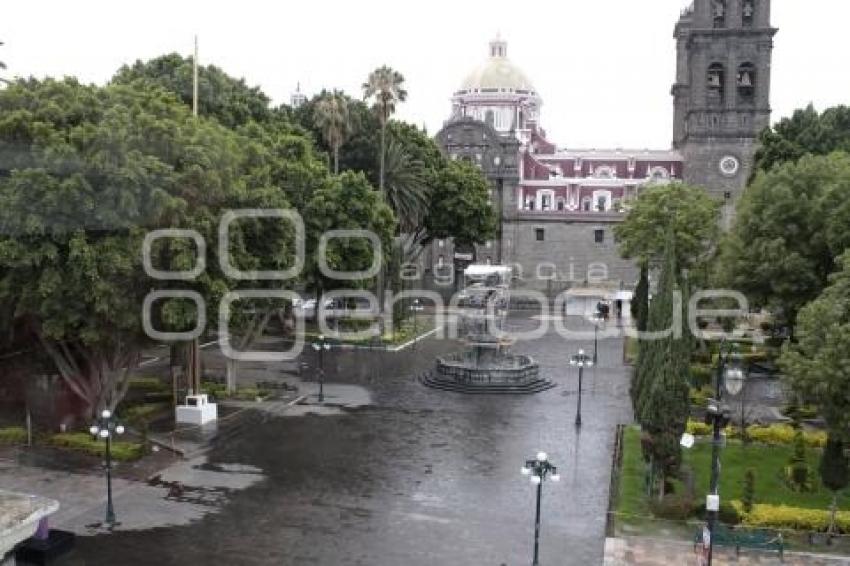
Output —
(416, 477)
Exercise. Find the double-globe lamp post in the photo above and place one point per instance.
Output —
(539, 469)
(581, 361)
(731, 376)
(105, 427)
(321, 346)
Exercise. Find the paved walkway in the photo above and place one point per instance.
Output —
(660, 552)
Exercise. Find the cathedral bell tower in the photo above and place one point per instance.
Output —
(722, 92)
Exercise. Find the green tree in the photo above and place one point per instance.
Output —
(460, 206)
(346, 202)
(228, 100)
(805, 132)
(816, 365)
(94, 170)
(791, 225)
(385, 87)
(406, 186)
(331, 116)
(660, 387)
(686, 212)
(640, 301)
(834, 473)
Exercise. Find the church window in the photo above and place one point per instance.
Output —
(715, 82)
(748, 13)
(718, 13)
(539, 235)
(746, 81)
(601, 202)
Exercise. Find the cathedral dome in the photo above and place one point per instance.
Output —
(497, 73)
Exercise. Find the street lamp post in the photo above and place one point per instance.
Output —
(580, 360)
(539, 468)
(732, 377)
(597, 319)
(105, 427)
(320, 347)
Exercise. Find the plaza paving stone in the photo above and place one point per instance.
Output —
(414, 477)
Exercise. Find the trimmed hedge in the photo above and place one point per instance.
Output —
(85, 442)
(773, 435)
(794, 518)
(13, 435)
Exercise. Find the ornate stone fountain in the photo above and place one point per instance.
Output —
(487, 365)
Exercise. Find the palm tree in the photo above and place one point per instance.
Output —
(332, 119)
(406, 189)
(385, 87)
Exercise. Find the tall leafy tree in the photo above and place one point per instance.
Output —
(385, 88)
(346, 202)
(460, 208)
(640, 302)
(406, 187)
(816, 365)
(806, 132)
(230, 101)
(687, 213)
(93, 171)
(790, 226)
(332, 120)
(660, 391)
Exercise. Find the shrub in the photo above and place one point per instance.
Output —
(675, 507)
(795, 518)
(797, 473)
(84, 442)
(141, 414)
(701, 375)
(749, 494)
(728, 513)
(700, 397)
(784, 434)
(698, 428)
(148, 385)
(13, 435)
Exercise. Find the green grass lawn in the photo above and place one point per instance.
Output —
(768, 462)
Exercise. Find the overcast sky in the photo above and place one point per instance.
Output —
(603, 67)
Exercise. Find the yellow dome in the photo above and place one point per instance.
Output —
(497, 73)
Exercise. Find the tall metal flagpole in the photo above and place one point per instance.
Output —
(195, 79)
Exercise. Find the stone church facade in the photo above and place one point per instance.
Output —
(558, 206)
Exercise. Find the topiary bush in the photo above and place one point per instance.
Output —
(674, 507)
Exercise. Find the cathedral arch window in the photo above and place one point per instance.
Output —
(746, 81)
(658, 174)
(718, 13)
(748, 13)
(715, 81)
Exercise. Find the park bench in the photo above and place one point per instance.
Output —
(756, 539)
